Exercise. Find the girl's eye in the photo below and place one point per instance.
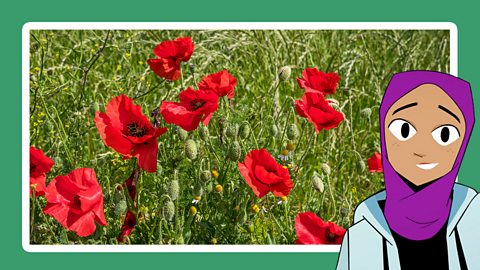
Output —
(445, 135)
(401, 129)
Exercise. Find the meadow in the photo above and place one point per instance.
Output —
(75, 73)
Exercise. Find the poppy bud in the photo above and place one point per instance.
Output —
(120, 207)
(234, 151)
(205, 175)
(182, 134)
(292, 132)
(361, 166)
(168, 210)
(191, 149)
(273, 130)
(198, 190)
(173, 189)
(325, 168)
(203, 132)
(284, 73)
(232, 131)
(317, 183)
(244, 130)
(366, 112)
(250, 227)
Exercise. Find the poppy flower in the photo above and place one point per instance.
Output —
(222, 83)
(312, 230)
(39, 166)
(128, 225)
(194, 106)
(317, 110)
(124, 128)
(76, 201)
(263, 174)
(375, 163)
(317, 81)
(169, 55)
(131, 183)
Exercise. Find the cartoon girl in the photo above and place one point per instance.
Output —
(423, 219)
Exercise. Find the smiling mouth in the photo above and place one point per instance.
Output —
(427, 166)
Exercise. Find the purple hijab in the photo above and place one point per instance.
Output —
(420, 215)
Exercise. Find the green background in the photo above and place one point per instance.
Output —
(15, 14)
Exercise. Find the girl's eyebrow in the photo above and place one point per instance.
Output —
(449, 112)
(404, 107)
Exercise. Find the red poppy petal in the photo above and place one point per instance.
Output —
(147, 155)
(165, 68)
(39, 163)
(310, 228)
(83, 225)
(174, 113)
(111, 136)
(58, 211)
(258, 188)
(38, 184)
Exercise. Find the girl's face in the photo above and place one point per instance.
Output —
(423, 133)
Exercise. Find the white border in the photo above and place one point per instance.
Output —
(189, 26)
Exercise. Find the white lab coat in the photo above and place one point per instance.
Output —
(362, 246)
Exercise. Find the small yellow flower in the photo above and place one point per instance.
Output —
(285, 152)
(198, 198)
(290, 146)
(119, 67)
(128, 55)
(193, 210)
(236, 208)
(255, 209)
(140, 62)
(142, 78)
(214, 241)
(283, 198)
(215, 174)
(92, 50)
(121, 89)
(218, 188)
(285, 167)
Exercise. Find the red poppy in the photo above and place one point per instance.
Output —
(375, 163)
(39, 166)
(318, 81)
(169, 55)
(222, 83)
(125, 129)
(317, 110)
(312, 230)
(194, 106)
(263, 174)
(76, 201)
(128, 225)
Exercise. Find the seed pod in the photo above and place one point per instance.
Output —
(191, 149)
(234, 151)
(325, 168)
(366, 113)
(318, 183)
(284, 73)
(198, 190)
(232, 131)
(292, 132)
(173, 189)
(361, 166)
(244, 130)
(120, 207)
(205, 176)
(182, 134)
(273, 130)
(168, 210)
(250, 227)
(203, 132)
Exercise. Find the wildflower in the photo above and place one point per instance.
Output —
(263, 174)
(286, 155)
(215, 174)
(290, 146)
(375, 163)
(316, 109)
(39, 166)
(193, 210)
(128, 225)
(76, 201)
(170, 54)
(194, 106)
(218, 188)
(196, 199)
(283, 200)
(317, 81)
(222, 83)
(255, 209)
(312, 230)
(125, 129)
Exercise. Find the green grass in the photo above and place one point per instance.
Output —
(75, 73)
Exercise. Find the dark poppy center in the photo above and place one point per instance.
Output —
(131, 222)
(33, 167)
(76, 202)
(330, 236)
(135, 130)
(197, 103)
